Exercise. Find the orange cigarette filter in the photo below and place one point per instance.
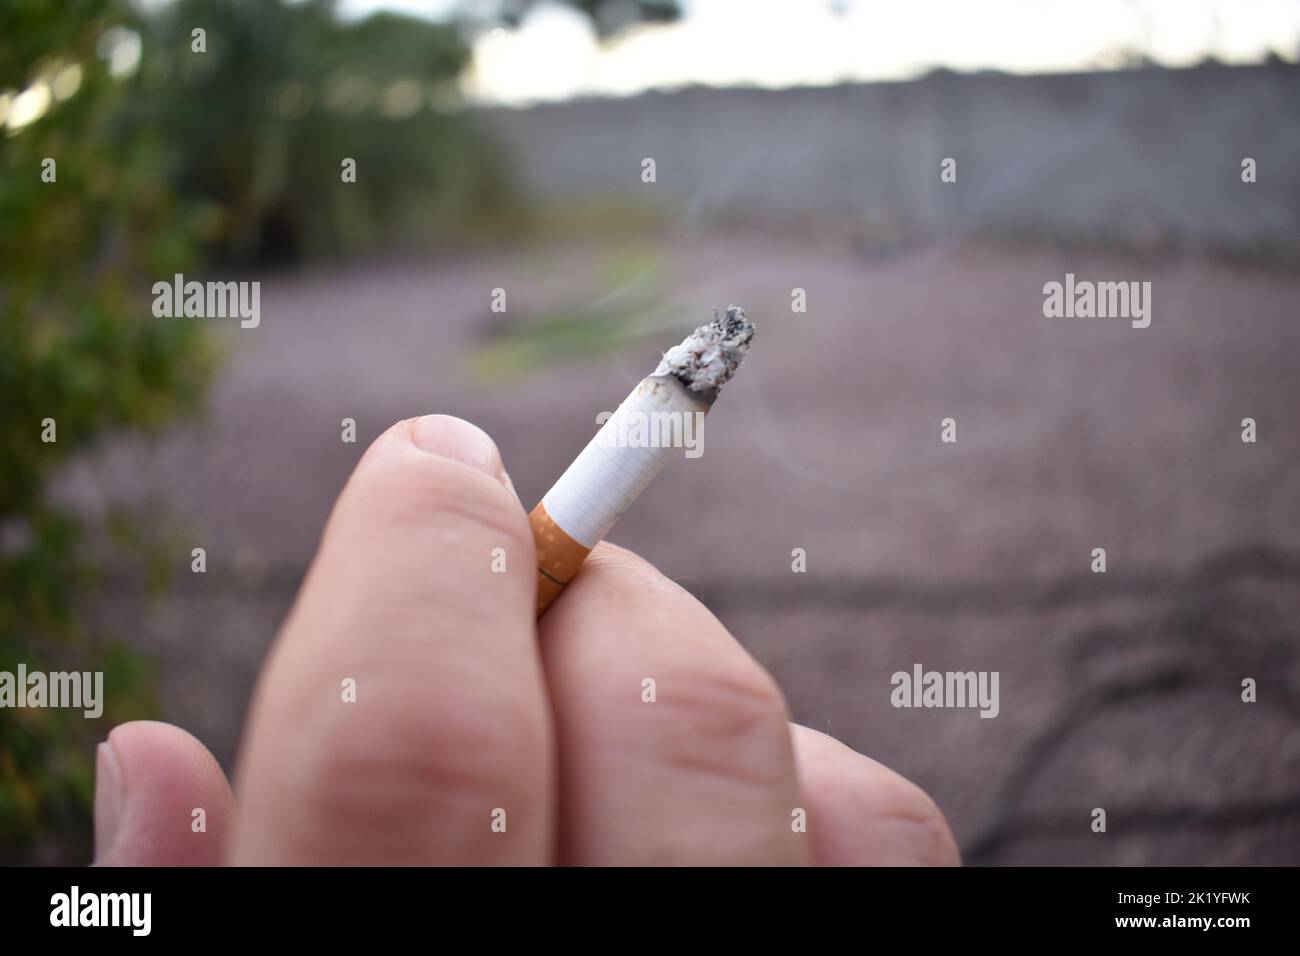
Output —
(558, 556)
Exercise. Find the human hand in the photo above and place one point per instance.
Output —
(469, 714)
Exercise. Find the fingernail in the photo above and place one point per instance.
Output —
(460, 441)
(110, 798)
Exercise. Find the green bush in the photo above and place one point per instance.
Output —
(78, 346)
(283, 93)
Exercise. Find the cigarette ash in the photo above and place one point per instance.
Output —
(709, 356)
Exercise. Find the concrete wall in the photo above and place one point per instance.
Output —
(1149, 156)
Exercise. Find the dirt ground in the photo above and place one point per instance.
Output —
(1120, 690)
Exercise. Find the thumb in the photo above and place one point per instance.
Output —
(401, 713)
(161, 799)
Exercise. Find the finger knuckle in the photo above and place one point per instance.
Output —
(444, 764)
(726, 720)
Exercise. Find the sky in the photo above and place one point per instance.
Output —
(775, 43)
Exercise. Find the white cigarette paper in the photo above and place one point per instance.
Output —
(609, 474)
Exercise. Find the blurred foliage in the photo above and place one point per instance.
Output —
(608, 16)
(78, 346)
(633, 310)
(284, 93)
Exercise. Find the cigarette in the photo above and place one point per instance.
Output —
(611, 471)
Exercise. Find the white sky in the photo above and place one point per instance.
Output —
(555, 54)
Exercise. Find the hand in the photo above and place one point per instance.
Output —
(468, 714)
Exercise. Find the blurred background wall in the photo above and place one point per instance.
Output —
(1134, 158)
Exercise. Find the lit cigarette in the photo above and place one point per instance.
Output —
(611, 471)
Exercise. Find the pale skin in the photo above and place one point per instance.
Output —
(466, 706)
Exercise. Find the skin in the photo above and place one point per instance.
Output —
(466, 705)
